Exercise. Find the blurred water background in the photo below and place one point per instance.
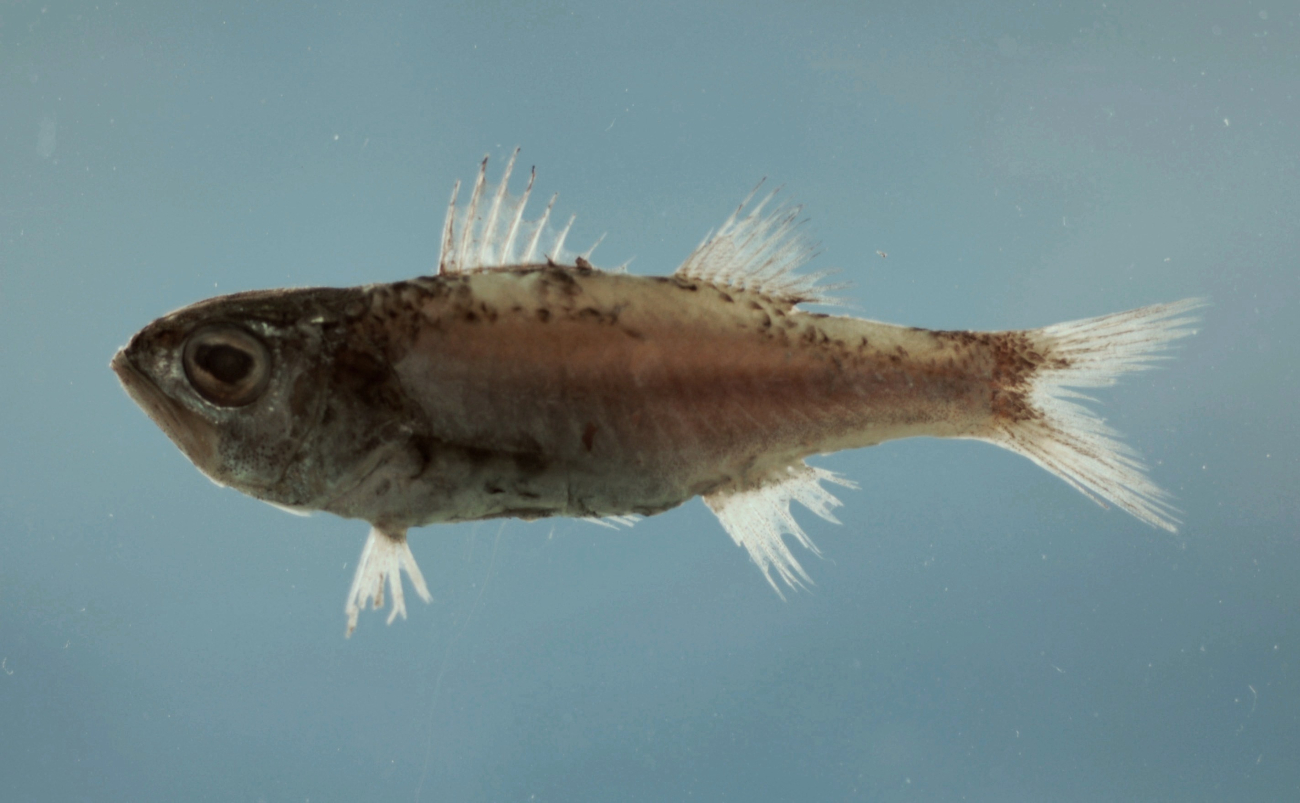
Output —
(978, 631)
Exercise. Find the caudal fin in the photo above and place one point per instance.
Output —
(1038, 415)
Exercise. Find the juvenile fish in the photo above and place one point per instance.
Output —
(523, 382)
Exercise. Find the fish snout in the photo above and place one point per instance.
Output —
(195, 435)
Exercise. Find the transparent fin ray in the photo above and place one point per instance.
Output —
(487, 233)
(383, 559)
(1069, 439)
(758, 517)
(760, 253)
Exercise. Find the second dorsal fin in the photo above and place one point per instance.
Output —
(761, 254)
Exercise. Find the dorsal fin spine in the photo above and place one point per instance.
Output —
(447, 264)
(587, 254)
(484, 236)
(484, 251)
(508, 250)
(467, 229)
(529, 255)
(558, 248)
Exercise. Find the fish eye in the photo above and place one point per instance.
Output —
(227, 365)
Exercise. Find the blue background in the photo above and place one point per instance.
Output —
(978, 631)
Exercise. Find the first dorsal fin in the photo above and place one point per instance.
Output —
(759, 253)
(490, 233)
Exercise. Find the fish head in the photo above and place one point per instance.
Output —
(231, 381)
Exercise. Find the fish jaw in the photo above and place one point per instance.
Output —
(195, 436)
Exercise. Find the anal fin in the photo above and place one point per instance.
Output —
(758, 516)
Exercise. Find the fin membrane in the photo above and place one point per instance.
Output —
(761, 254)
(383, 559)
(756, 518)
(490, 233)
(1070, 440)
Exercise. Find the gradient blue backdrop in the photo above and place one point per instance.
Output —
(978, 630)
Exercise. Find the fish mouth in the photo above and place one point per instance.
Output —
(195, 436)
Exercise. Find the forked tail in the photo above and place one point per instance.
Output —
(1037, 413)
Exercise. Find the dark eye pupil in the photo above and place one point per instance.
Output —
(226, 364)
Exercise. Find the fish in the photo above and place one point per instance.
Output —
(521, 381)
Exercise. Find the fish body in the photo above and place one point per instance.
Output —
(578, 393)
(520, 384)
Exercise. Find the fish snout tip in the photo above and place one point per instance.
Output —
(119, 362)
